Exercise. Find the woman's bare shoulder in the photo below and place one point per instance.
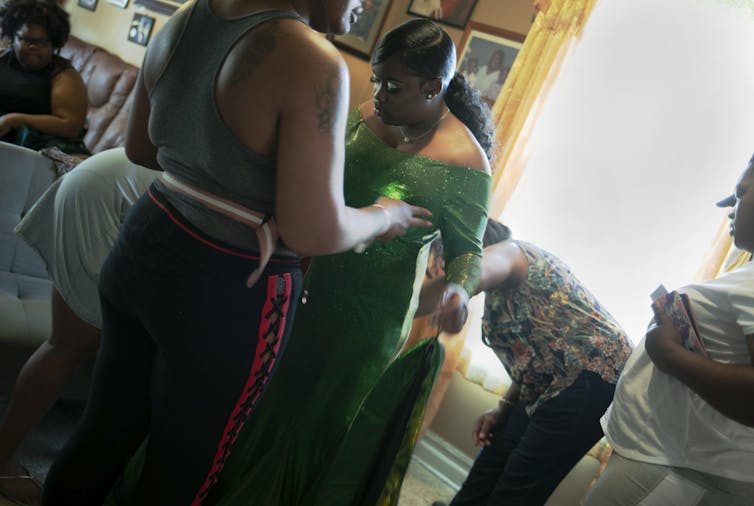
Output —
(292, 45)
(456, 145)
(286, 52)
(69, 83)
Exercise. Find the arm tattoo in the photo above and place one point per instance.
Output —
(325, 95)
(262, 43)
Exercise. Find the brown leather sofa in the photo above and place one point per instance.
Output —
(109, 83)
(24, 175)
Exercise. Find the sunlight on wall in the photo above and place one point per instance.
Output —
(650, 123)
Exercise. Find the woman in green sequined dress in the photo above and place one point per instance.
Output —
(340, 418)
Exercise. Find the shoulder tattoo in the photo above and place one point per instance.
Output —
(262, 43)
(325, 95)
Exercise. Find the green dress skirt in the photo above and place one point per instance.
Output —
(339, 420)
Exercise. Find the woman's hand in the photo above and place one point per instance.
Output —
(453, 310)
(401, 216)
(727, 387)
(485, 424)
(663, 340)
(8, 122)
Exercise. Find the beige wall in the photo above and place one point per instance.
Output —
(108, 27)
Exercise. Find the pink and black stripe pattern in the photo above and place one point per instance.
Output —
(270, 337)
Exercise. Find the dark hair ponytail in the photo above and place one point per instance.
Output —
(428, 50)
(466, 104)
(495, 232)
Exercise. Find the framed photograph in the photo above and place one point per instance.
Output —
(141, 29)
(166, 7)
(118, 3)
(363, 35)
(486, 56)
(89, 5)
(450, 12)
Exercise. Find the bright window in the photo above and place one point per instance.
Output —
(650, 122)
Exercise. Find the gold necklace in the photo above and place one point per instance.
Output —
(410, 140)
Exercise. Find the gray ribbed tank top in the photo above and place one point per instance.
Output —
(194, 143)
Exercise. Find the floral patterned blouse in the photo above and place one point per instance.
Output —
(550, 328)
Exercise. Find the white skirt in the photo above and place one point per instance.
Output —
(75, 223)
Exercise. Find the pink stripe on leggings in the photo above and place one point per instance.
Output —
(269, 339)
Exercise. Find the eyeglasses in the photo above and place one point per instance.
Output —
(29, 41)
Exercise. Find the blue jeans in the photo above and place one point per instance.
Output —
(187, 351)
(529, 456)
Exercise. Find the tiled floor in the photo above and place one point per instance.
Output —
(41, 447)
(420, 487)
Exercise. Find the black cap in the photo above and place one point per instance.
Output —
(728, 201)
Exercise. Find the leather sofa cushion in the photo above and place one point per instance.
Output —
(109, 82)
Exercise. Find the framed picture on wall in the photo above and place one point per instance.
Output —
(363, 35)
(166, 7)
(89, 5)
(486, 56)
(118, 3)
(141, 29)
(450, 12)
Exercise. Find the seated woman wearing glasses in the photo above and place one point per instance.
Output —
(41, 94)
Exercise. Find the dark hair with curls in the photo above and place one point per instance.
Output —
(495, 232)
(14, 14)
(428, 50)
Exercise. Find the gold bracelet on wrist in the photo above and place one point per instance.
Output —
(387, 219)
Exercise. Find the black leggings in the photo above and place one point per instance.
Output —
(529, 456)
(187, 350)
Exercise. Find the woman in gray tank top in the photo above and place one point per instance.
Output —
(199, 290)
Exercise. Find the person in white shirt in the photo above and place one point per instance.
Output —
(682, 425)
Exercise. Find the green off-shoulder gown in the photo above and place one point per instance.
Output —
(340, 417)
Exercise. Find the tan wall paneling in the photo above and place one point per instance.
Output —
(108, 27)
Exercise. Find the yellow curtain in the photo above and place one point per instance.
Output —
(556, 27)
(555, 30)
(714, 261)
(723, 256)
